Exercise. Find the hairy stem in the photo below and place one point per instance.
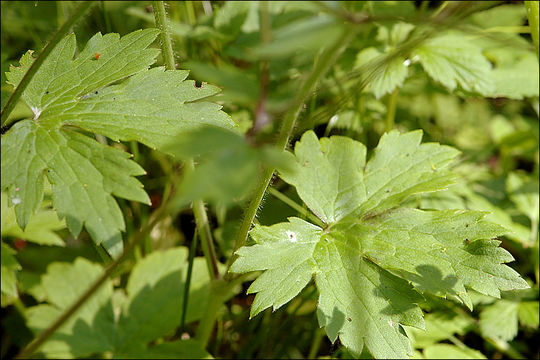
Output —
(201, 219)
(59, 35)
(160, 16)
(327, 58)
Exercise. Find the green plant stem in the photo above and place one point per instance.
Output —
(295, 206)
(315, 343)
(327, 58)
(219, 289)
(192, 250)
(160, 16)
(143, 232)
(105, 17)
(532, 15)
(201, 219)
(207, 243)
(391, 110)
(190, 10)
(59, 35)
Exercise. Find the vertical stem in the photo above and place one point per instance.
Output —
(532, 15)
(58, 36)
(105, 17)
(207, 242)
(192, 250)
(165, 36)
(190, 10)
(316, 343)
(327, 58)
(199, 211)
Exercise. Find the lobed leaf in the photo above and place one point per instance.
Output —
(83, 173)
(87, 92)
(453, 60)
(373, 257)
(285, 250)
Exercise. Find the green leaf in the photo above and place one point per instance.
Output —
(333, 180)
(180, 349)
(83, 173)
(305, 35)
(40, 228)
(151, 107)
(317, 179)
(447, 351)
(528, 313)
(523, 191)
(228, 167)
(371, 250)
(10, 266)
(517, 80)
(500, 320)
(362, 303)
(452, 60)
(88, 331)
(439, 326)
(383, 74)
(501, 15)
(285, 250)
(154, 298)
(151, 309)
(438, 251)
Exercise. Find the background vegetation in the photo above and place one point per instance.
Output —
(465, 73)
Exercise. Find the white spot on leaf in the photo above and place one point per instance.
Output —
(407, 62)
(291, 236)
(16, 201)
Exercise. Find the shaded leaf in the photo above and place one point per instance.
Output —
(371, 250)
(10, 266)
(40, 228)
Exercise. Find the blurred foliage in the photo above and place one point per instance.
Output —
(464, 72)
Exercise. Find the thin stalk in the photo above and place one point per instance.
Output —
(219, 289)
(59, 35)
(327, 58)
(143, 232)
(190, 10)
(105, 17)
(296, 207)
(532, 15)
(391, 110)
(201, 219)
(192, 250)
(316, 343)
